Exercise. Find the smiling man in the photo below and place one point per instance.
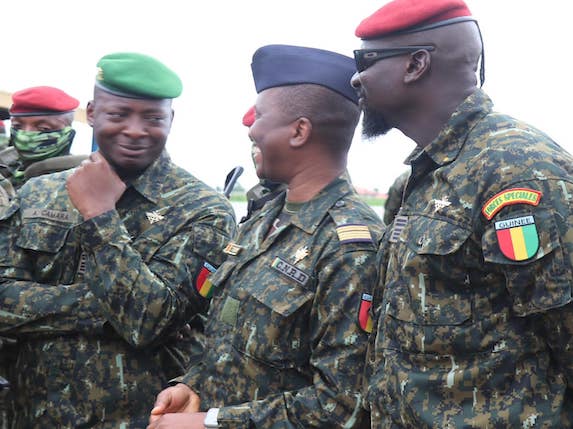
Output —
(288, 326)
(103, 281)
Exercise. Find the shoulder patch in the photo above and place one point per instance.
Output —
(353, 233)
(510, 197)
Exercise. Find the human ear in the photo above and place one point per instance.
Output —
(418, 65)
(301, 132)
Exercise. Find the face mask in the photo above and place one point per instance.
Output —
(40, 145)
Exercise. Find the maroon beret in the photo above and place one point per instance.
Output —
(249, 117)
(42, 100)
(409, 16)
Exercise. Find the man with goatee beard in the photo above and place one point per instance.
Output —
(474, 312)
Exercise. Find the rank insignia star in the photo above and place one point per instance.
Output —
(300, 254)
(440, 204)
(153, 217)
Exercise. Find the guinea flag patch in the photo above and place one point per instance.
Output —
(364, 318)
(517, 238)
(202, 283)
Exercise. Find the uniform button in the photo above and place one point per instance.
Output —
(340, 203)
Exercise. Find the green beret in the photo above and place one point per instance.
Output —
(133, 75)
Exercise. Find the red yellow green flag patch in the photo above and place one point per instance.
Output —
(203, 284)
(364, 318)
(517, 238)
(509, 197)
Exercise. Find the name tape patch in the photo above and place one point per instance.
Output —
(290, 271)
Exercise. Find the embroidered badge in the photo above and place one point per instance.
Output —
(509, 197)
(300, 254)
(290, 271)
(203, 284)
(154, 217)
(517, 238)
(398, 226)
(57, 215)
(364, 318)
(440, 204)
(232, 249)
(353, 233)
(82, 264)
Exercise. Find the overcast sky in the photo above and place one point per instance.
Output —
(210, 45)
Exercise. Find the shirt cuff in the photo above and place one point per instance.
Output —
(103, 229)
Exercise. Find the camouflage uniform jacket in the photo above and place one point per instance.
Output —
(394, 199)
(475, 325)
(98, 306)
(284, 345)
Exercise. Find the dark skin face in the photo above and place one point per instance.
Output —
(131, 133)
(270, 134)
(41, 123)
(417, 92)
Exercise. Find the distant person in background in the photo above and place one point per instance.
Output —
(104, 268)
(41, 134)
(394, 199)
(266, 189)
(288, 325)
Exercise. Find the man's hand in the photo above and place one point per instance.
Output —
(175, 399)
(94, 187)
(179, 421)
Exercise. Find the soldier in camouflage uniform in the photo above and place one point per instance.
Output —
(266, 189)
(394, 199)
(474, 312)
(41, 135)
(106, 264)
(287, 329)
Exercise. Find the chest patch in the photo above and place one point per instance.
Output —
(290, 271)
(510, 197)
(517, 238)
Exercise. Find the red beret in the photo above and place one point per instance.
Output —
(42, 100)
(249, 117)
(408, 16)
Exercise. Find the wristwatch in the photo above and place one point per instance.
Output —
(211, 418)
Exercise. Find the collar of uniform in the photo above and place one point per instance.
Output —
(150, 183)
(446, 147)
(312, 212)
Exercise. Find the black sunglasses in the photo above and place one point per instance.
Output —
(365, 58)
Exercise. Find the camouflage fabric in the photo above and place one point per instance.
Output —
(285, 348)
(12, 168)
(394, 199)
(7, 192)
(469, 335)
(100, 307)
(259, 194)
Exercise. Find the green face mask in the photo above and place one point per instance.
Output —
(40, 145)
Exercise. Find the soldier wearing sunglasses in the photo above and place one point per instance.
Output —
(473, 310)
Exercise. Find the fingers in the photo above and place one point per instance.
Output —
(162, 402)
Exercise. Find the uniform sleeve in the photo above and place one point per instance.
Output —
(532, 247)
(145, 291)
(337, 355)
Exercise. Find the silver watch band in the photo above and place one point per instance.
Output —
(211, 418)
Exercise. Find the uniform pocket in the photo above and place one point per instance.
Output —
(429, 280)
(273, 322)
(536, 282)
(42, 237)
